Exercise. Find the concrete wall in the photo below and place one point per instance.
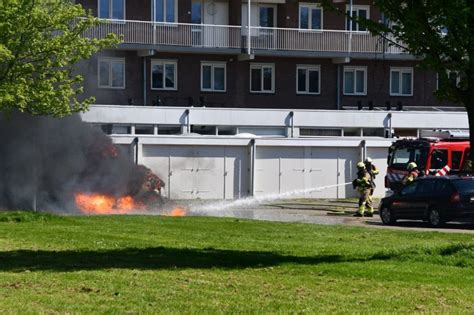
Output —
(131, 115)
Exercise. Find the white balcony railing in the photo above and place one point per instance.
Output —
(229, 36)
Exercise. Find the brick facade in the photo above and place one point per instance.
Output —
(238, 92)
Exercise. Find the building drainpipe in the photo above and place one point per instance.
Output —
(363, 150)
(292, 117)
(338, 87)
(144, 82)
(135, 144)
(253, 155)
(389, 125)
(350, 27)
(240, 178)
(188, 122)
(249, 17)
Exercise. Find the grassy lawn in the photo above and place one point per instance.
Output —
(144, 264)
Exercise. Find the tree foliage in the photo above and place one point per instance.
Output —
(40, 42)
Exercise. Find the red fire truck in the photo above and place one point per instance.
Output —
(432, 152)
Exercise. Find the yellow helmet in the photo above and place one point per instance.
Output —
(360, 165)
(411, 166)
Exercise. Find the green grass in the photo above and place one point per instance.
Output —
(145, 264)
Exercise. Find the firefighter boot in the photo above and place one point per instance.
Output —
(370, 212)
(370, 208)
(360, 212)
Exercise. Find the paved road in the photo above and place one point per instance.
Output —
(328, 212)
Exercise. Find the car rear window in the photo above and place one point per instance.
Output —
(464, 185)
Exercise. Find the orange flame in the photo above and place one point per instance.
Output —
(93, 203)
(177, 212)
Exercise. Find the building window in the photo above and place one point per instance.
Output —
(262, 78)
(196, 12)
(308, 79)
(213, 77)
(112, 73)
(164, 75)
(362, 12)
(112, 9)
(166, 11)
(453, 79)
(311, 17)
(267, 16)
(355, 80)
(401, 81)
(320, 132)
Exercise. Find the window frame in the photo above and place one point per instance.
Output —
(310, 20)
(213, 65)
(111, 10)
(110, 60)
(164, 62)
(357, 8)
(354, 69)
(261, 66)
(402, 70)
(153, 13)
(308, 68)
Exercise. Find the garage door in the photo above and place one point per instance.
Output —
(267, 171)
(209, 172)
(379, 158)
(293, 171)
(323, 172)
(348, 159)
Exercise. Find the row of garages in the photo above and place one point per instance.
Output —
(228, 169)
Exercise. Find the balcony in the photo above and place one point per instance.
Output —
(150, 35)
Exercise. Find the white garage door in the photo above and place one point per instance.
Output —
(157, 158)
(379, 158)
(267, 170)
(182, 166)
(209, 173)
(348, 159)
(292, 171)
(323, 172)
(237, 172)
(204, 172)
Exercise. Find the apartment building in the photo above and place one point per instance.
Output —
(288, 54)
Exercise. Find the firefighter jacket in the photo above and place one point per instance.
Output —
(373, 171)
(363, 181)
(410, 177)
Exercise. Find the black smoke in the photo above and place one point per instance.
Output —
(44, 161)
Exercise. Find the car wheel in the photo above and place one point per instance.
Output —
(435, 219)
(387, 216)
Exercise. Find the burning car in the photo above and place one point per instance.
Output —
(67, 165)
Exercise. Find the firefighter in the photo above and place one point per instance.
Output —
(413, 173)
(373, 171)
(363, 185)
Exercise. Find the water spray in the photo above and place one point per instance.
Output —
(257, 200)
